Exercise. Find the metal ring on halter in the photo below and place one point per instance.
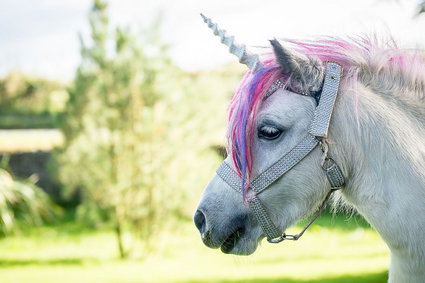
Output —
(291, 237)
(313, 218)
(332, 170)
(277, 240)
(284, 237)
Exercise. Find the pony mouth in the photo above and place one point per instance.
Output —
(231, 241)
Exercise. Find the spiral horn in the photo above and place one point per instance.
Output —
(251, 60)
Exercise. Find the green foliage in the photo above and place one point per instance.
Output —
(199, 121)
(23, 201)
(114, 129)
(27, 102)
(26, 95)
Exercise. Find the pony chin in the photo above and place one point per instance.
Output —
(245, 244)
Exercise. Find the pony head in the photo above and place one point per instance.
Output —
(263, 126)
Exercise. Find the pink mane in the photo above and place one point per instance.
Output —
(242, 113)
(357, 56)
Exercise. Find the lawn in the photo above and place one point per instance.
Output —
(333, 251)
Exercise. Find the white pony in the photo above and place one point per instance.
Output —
(376, 136)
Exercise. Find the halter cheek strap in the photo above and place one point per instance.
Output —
(317, 134)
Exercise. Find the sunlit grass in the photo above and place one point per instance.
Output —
(322, 255)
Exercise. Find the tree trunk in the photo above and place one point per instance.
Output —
(118, 234)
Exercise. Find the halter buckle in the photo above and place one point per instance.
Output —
(333, 173)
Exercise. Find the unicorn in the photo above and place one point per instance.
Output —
(332, 118)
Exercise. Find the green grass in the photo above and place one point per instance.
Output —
(68, 254)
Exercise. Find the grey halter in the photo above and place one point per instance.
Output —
(317, 134)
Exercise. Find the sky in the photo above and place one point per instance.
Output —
(40, 37)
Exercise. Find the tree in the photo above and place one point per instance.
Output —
(113, 128)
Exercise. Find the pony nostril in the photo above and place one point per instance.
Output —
(199, 219)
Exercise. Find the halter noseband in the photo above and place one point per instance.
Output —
(317, 134)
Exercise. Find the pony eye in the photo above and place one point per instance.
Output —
(268, 132)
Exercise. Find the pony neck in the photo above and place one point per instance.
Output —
(380, 144)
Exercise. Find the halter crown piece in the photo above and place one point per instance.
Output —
(317, 135)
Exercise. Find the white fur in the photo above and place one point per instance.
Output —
(377, 138)
(384, 161)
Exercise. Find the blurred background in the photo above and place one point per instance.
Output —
(112, 121)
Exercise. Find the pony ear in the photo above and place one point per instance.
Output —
(306, 73)
(289, 63)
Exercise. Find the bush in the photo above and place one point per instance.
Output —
(25, 95)
(22, 200)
